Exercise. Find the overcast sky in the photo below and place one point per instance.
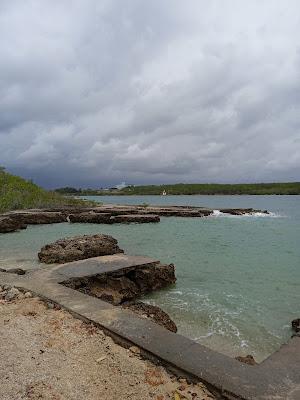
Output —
(93, 92)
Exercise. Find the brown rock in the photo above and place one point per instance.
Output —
(126, 285)
(114, 290)
(78, 248)
(91, 217)
(136, 218)
(249, 359)
(156, 314)
(154, 277)
(38, 217)
(8, 224)
(296, 325)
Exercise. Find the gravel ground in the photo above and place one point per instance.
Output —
(45, 353)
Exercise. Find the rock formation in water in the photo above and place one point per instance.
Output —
(296, 326)
(156, 314)
(79, 248)
(8, 224)
(121, 288)
(127, 284)
(91, 217)
(135, 218)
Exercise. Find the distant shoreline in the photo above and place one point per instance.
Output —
(207, 189)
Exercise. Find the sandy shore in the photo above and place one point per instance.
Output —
(47, 354)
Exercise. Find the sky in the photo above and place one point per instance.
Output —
(93, 93)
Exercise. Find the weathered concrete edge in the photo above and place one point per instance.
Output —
(229, 377)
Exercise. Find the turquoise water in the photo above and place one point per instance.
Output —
(238, 278)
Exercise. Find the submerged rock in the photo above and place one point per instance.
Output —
(8, 224)
(79, 248)
(156, 314)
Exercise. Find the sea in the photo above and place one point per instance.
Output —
(238, 277)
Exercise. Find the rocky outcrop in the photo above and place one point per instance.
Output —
(249, 359)
(78, 248)
(91, 217)
(156, 314)
(296, 325)
(126, 285)
(242, 211)
(38, 217)
(8, 224)
(135, 218)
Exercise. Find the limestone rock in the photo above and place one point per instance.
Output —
(154, 277)
(12, 294)
(79, 248)
(136, 218)
(156, 314)
(39, 217)
(91, 217)
(8, 224)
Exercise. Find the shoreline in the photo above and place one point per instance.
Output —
(59, 357)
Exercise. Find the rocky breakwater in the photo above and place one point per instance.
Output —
(78, 248)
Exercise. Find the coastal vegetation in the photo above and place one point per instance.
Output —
(216, 189)
(18, 193)
(286, 188)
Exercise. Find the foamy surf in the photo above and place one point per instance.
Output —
(218, 213)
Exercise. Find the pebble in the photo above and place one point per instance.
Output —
(100, 359)
(27, 295)
(12, 294)
(135, 350)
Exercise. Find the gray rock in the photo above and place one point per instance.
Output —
(12, 294)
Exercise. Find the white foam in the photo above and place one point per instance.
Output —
(218, 213)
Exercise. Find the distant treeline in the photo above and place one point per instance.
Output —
(290, 188)
(213, 189)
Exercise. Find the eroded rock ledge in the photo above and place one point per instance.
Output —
(79, 248)
(108, 214)
(123, 287)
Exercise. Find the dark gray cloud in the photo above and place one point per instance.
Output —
(94, 93)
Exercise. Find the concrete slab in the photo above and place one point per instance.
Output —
(104, 264)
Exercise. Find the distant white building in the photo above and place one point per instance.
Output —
(121, 186)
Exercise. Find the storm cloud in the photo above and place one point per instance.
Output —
(97, 92)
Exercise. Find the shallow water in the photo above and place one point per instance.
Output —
(237, 277)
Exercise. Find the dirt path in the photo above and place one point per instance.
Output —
(48, 354)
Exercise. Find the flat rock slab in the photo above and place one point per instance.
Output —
(104, 264)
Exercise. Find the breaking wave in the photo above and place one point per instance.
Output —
(218, 213)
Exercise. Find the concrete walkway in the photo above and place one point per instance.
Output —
(278, 377)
